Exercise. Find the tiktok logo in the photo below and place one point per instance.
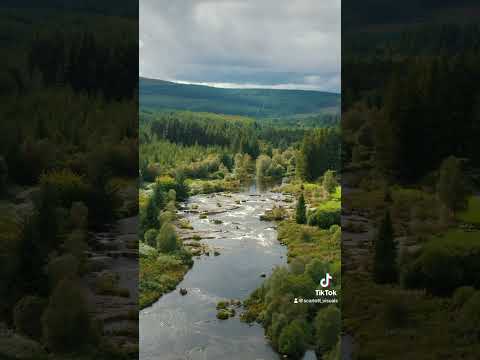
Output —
(325, 282)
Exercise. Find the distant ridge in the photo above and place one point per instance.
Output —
(160, 94)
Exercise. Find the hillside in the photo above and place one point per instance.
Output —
(158, 94)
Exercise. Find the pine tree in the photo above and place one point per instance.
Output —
(329, 182)
(150, 217)
(158, 197)
(301, 214)
(385, 266)
(451, 184)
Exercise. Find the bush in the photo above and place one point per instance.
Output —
(324, 219)
(165, 183)
(32, 159)
(79, 215)
(327, 327)
(469, 318)
(61, 267)
(68, 186)
(27, 316)
(106, 283)
(67, 325)
(150, 237)
(462, 295)
(446, 263)
(76, 245)
(317, 269)
(167, 239)
(172, 195)
(150, 172)
(149, 217)
(166, 217)
(121, 159)
(329, 182)
(292, 339)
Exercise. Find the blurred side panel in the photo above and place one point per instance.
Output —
(68, 179)
(410, 205)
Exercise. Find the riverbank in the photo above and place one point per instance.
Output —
(246, 248)
(388, 317)
(291, 327)
(161, 272)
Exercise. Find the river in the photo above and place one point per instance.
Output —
(185, 327)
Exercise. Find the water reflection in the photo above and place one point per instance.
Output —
(186, 327)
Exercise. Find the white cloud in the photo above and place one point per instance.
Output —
(269, 43)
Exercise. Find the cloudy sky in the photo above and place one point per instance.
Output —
(242, 43)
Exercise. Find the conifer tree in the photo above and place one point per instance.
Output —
(158, 197)
(301, 214)
(451, 184)
(150, 217)
(385, 266)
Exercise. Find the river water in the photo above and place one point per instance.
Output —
(185, 327)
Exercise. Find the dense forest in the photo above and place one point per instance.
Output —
(183, 153)
(68, 166)
(260, 103)
(410, 164)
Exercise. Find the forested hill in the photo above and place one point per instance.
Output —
(259, 103)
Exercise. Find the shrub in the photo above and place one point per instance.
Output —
(292, 340)
(121, 159)
(32, 159)
(150, 237)
(462, 295)
(106, 283)
(279, 321)
(447, 263)
(167, 239)
(324, 219)
(68, 186)
(61, 267)
(297, 266)
(165, 183)
(67, 325)
(329, 182)
(79, 215)
(27, 316)
(76, 245)
(317, 269)
(166, 217)
(149, 218)
(158, 197)
(172, 195)
(327, 327)
(469, 318)
(150, 172)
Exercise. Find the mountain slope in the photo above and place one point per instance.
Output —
(158, 94)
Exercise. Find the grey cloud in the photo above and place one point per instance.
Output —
(261, 42)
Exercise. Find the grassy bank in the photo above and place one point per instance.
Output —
(438, 277)
(159, 274)
(312, 252)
